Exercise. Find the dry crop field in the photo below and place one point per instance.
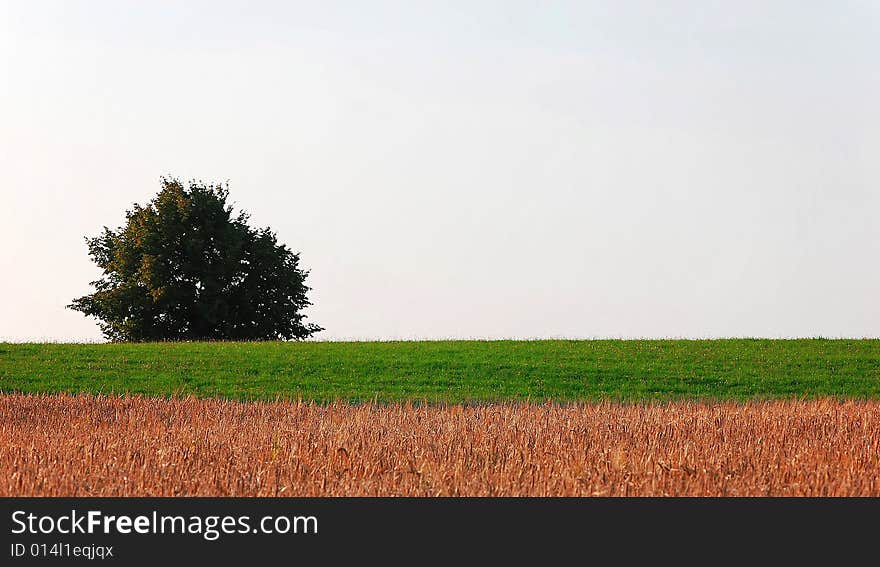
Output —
(85, 445)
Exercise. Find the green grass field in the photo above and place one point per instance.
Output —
(453, 371)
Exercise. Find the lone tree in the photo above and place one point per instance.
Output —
(184, 268)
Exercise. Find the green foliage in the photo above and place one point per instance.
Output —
(453, 371)
(184, 268)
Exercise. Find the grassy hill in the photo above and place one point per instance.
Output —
(454, 371)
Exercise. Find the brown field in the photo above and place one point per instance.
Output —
(127, 446)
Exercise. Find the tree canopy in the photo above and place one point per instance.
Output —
(183, 267)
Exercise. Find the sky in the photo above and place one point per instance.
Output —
(465, 169)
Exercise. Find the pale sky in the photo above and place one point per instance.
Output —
(465, 169)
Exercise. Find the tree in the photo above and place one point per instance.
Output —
(184, 268)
